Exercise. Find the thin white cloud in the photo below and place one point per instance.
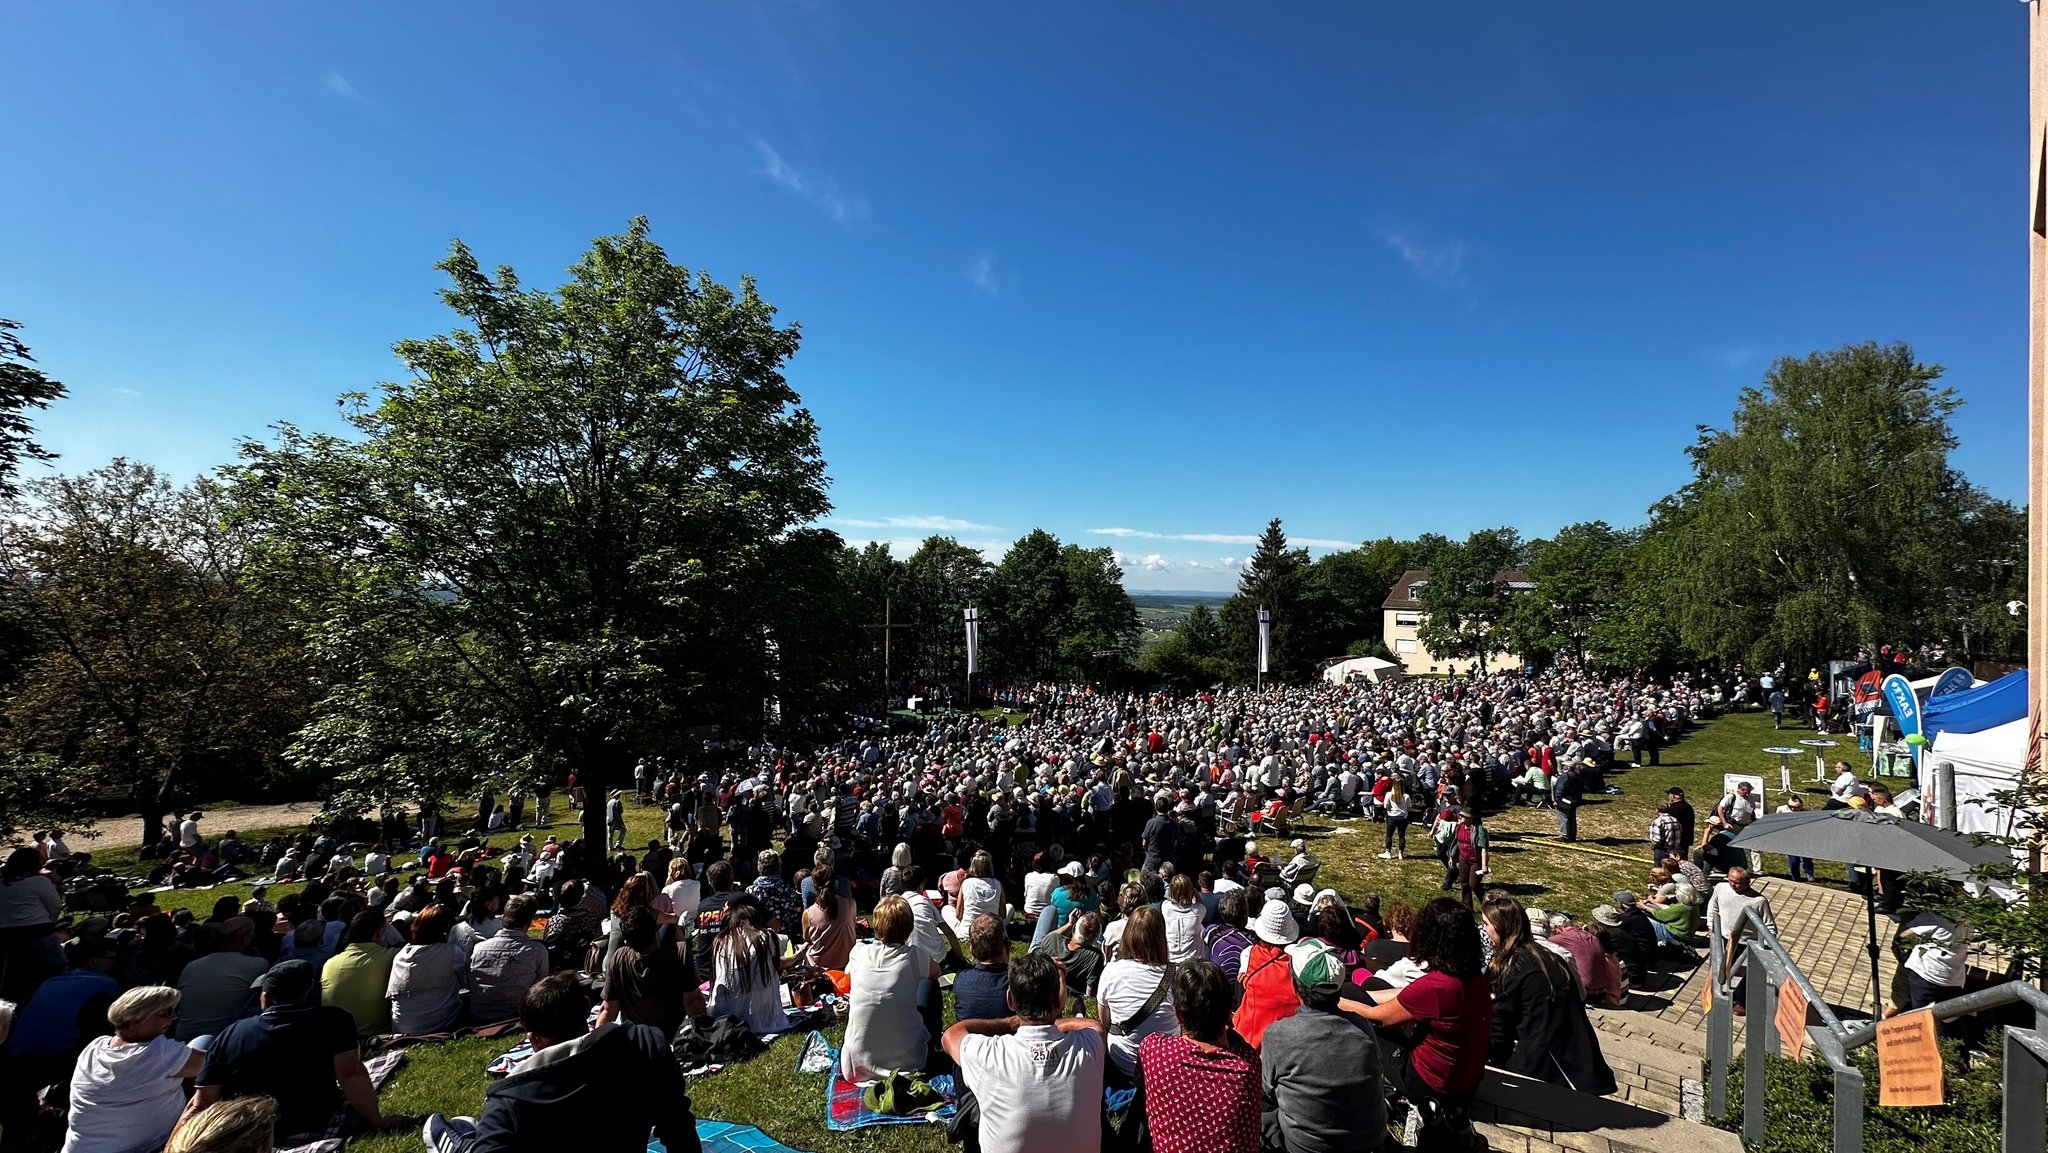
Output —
(932, 523)
(782, 174)
(982, 275)
(1218, 537)
(1441, 264)
(338, 85)
(127, 392)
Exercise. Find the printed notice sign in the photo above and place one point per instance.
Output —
(1908, 1060)
(1791, 1020)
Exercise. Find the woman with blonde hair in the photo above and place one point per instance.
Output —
(893, 982)
(893, 883)
(241, 1125)
(678, 900)
(1184, 914)
(980, 893)
(127, 1090)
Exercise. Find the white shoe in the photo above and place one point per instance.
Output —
(448, 1134)
(1386, 856)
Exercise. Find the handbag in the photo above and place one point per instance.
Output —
(1159, 991)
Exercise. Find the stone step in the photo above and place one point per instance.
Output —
(1521, 1115)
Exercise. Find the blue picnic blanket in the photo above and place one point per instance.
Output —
(725, 1137)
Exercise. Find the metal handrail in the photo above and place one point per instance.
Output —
(1767, 964)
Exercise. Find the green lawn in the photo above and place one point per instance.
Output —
(1613, 848)
(1528, 861)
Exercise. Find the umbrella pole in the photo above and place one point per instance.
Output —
(1870, 911)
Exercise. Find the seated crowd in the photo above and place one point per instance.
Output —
(1245, 1006)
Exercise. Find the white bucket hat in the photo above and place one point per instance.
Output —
(1276, 925)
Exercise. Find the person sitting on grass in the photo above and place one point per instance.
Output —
(358, 978)
(746, 972)
(301, 1056)
(504, 965)
(127, 1090)
(1074, 948)
(1036, 1076)
(596, 1090)
(247, 1125)
(428, 977)
(1200, 1086)
(980, 992)
(892, 1003)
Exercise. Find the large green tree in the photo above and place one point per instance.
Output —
(1276, 579)
(1578, 576)
(940, 580)
(573, 525)
(1465, 604)
(24, 389)
(166, 668)
(1826, 516)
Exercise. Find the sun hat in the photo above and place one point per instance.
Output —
(1333, 896)
(1276, 925)
(1304, 894)
(1539, 921)
(1607, 915)
(1317, 967)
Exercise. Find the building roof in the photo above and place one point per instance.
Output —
(1403, 598)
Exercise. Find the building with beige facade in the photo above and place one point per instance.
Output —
(1401, 626)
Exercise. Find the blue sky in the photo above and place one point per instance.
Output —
(1143, 274)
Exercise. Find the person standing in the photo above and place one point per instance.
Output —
(1469, 848)
(1939, 963)
(1565, 794)
(1797, 868)
(1397, 815)
(615, 820)
(1666, 838)
(1036, 1076)
(1681, 809)
(1725, 909)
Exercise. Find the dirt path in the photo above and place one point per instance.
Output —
(125, 831)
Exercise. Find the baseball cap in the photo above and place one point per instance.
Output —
(288, 981)
(1316, 966)
(1624, 900)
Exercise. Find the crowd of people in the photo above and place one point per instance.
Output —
(1111, 892)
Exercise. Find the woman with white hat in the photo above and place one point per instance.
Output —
(1264, 975)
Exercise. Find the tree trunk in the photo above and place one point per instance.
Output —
(153, 811)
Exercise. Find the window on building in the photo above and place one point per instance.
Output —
(1408, 620)
(1405, 645)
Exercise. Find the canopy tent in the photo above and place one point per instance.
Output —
(1374, 669)
(1974, 710)
(1986, 762)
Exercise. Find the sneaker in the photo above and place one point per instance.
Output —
(448, 1134)
(1386, 856)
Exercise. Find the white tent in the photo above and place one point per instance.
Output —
(1986, 762)
(1374, 669)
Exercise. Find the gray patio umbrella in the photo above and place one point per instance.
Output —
(1873, 841)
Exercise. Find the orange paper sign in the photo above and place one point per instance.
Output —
(1908, 1060)
(1791, 1019)
(1707, 993)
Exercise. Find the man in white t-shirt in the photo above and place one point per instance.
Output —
(188, 832)
(1036, 1078)
(931, 933)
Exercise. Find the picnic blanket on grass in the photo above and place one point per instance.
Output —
(725, 1137)
(844, 1109)
(345, 1121)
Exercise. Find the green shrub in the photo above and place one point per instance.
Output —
(1799, 1107)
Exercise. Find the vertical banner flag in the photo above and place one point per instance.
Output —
(1952, 680)
(1898, 693)
(973, 641)
(1265, 639)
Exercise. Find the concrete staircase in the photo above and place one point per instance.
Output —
(1522, 1115)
